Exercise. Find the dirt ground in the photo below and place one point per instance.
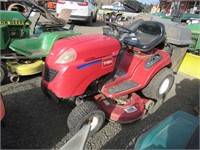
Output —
(33, 121)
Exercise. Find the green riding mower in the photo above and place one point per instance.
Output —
(195, 46)
(25, 41)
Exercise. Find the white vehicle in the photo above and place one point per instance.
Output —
(114, 6)
(82, 10)
(193, 21)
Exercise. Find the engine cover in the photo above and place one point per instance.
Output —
(87, 47)
(95, 57)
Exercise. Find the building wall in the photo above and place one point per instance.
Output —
(106, 2)
(187, 6)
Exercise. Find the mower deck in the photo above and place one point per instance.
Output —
(133, 110)
(26, 69)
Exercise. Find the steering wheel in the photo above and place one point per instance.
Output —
(116, 26)
(123, 32)
(34, 6)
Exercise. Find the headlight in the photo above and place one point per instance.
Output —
(68, 56)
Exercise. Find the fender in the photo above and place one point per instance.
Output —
(143, 76)
(134, 67)
(5, 40)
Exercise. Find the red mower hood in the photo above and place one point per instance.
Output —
(87, 47)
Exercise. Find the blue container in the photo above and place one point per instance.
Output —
(179, 131)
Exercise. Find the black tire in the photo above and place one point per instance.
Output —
(104, 17)
(3, 73)
(45, 91)
(95, 18)
(90, 20)
(153, 106)
(118, 18)
(82, 114)
(160, 85)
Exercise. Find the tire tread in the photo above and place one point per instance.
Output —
(78, 112)
(150, 91)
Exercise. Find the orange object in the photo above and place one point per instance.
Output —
(51, 5)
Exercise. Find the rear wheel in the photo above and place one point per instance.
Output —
(3, 73)
(90, 20)
(86, 113)
(119, 18)
(160, 85)
(95, 18)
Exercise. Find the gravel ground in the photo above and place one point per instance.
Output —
(33, 121)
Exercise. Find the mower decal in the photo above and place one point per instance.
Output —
(92, 63)
(130, 109)
(89, 64)
(14, 22)
(106, 102)
(107, 62)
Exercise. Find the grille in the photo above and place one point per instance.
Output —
(49, 74)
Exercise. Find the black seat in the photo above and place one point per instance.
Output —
(135, 24)
(149, 34)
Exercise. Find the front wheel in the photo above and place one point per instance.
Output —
(86, 113)
(45, 91)
(160, 85)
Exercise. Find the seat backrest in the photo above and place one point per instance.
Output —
(149, 34)
(34, 17)
(134, 25)
(152, 28)
(64, 15)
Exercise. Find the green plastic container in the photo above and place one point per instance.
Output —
(195, 28)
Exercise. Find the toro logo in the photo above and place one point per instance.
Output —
(107, 62)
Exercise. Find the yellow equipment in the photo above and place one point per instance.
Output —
(191, 65)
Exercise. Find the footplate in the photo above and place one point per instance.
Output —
(124, 86)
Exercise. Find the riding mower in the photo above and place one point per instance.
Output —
(121, 75)
(112, 15)
(22, 48)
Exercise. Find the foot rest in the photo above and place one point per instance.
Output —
(122, 87)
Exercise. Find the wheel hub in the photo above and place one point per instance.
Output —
(93, 121)
(164, 86)
(149, 106)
